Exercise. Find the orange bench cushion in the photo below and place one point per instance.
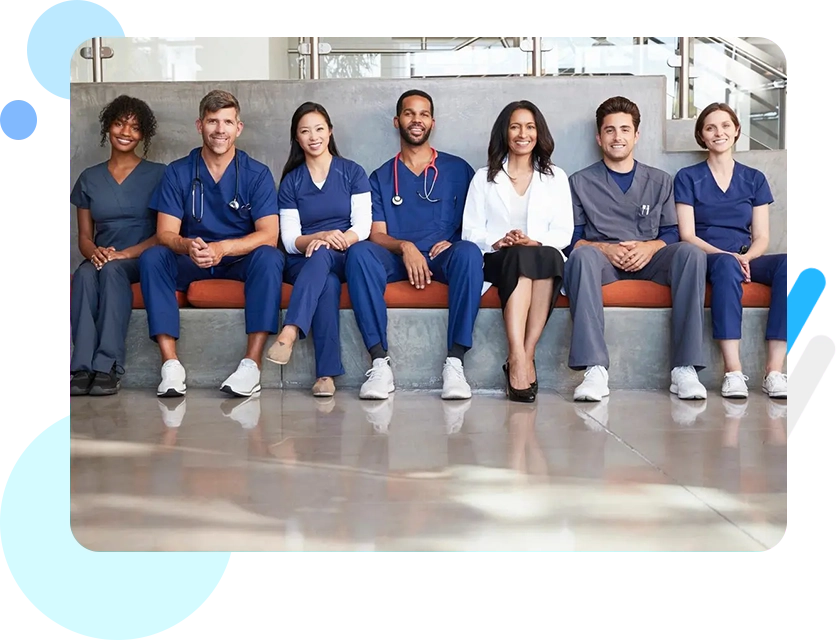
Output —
(229, 294)
(139, 303)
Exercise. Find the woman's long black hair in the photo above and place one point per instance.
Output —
(297, 156)
(498, 143)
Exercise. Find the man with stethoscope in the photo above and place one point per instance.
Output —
(417, 203)
(217, 218)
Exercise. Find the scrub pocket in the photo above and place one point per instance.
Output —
(648, 221)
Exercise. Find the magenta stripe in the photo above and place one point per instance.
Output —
(32, 292)
(18, 171)
(811, 124)
(811, 140)
(811, 155)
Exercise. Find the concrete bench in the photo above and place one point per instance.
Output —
(637, 326)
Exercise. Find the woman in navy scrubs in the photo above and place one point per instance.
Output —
(722, 207)
(325, 206)
(115, 226)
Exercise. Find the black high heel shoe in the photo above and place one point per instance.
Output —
(517, 395)
(534, 385)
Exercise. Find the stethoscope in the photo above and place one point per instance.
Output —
(397, 200)
(234, 204)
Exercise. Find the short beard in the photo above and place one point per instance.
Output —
(405, 136)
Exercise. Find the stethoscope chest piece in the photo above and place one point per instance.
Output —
(396, 200)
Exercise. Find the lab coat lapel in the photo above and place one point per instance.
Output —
(504, 187)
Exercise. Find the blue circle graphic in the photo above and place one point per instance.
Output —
(18, 119)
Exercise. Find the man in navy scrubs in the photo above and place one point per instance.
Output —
(417, 203)
(218, 218)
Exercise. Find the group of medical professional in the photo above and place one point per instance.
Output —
(519, 224)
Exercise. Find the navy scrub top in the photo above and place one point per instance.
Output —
(256, 195)
(723, 219)
(416, 220)
(326, 208)
(122, 213)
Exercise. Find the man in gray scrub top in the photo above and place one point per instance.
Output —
(626, 229)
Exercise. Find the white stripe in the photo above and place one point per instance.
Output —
(808, 48)
(811, 180)
(811, 96)
(37, 264)
(812, 365)
(806, 232)
(810, 79)
(812, 200)
(42, 196)
(811, 247)
(802, 131)
(27, 248)
(811, 148)
(40, 144)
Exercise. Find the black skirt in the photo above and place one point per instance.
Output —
(503, 268)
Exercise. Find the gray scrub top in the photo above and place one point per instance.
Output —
(120, 212)
(608, 215)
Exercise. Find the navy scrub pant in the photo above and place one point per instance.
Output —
(100, 308)
(680, 266)
(315, 304)
(369, 267)
(724, 273)
(162, 272)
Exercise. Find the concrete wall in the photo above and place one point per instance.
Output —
(362, 111)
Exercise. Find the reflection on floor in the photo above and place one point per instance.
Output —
(640, 471)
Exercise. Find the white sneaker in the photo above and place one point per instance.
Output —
(174, 380)
(735, 410)
(455, 415)
(594, 386)
(686, 413)
(454, 384)
(245, 411)
(596, 418)
(775, 384)
(173, 411)
(245, 381)
(379, 414)
(380, 383)
(685, 383)
(735, 385)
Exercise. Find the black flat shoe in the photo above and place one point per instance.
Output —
(517, 395)
(80, 383)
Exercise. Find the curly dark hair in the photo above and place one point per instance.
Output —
(125, 107)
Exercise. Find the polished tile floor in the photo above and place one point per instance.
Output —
(641, 471)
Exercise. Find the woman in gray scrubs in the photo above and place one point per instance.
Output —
(115, 226)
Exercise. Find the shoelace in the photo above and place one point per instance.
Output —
(376, 372)
(458, 371)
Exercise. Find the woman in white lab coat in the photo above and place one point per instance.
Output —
(519, 212)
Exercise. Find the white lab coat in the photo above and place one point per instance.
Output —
(487, 214)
